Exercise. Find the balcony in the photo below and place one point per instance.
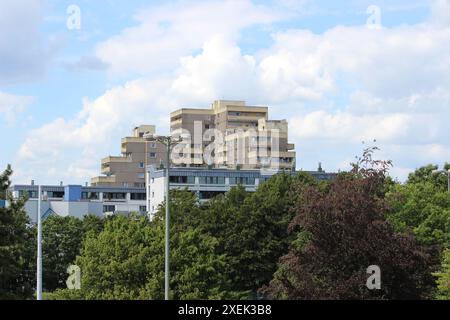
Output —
(111, 159)
(290, 146)
(177, 122)
(127, 140)
(102, 180)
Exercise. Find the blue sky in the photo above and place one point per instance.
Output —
(68, 96)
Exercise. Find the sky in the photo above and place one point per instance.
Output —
(76, 76)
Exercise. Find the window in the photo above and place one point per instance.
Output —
(89, 195)
(206, 126)
(114, 196)
(138, 196)
(109, 209)
(142, 208)
(55, 194)
(153, 180)
(242, 181)
(212, 180)
(206, 195)
(141, 165)
(152, 145)
(30, 194)
(182, 180)
(152, 155)
(141, 175)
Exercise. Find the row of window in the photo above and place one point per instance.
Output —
(34, 194)
(87, 195)
(110, 208)
(212, 180)
(123, 196)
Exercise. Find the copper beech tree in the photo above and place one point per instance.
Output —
(339, 232)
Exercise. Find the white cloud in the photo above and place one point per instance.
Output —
(168, 32)
(347, 85)
(12, 105)
(24, 53)
(440, 13)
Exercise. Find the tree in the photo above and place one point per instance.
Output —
(444, 277)
(62, 238)
(427, 173)
(14, 254)
(339, 232)
(126, 261)
(250, 228)
(422, 207)
(93, 223)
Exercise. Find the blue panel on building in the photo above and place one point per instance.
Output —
(2, 203)
(72, 193)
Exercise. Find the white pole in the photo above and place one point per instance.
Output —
(167, 251)
(39, 246)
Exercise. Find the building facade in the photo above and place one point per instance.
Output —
(128, 170)
(78, 201)
(208, 183)
(232, 135)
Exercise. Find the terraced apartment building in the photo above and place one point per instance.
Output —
(128, 169)
(244, 136)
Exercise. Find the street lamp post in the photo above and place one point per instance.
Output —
(169, 142)
(448, 179)
(39, 247)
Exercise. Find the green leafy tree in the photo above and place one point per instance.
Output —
(61, 242)
(126, 261)
(443, 276)
(428, 174)
(422, 207)
(251, 228)
(93, 223)
(62, 239)
(15, 235)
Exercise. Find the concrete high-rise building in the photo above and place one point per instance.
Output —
(244, 137)
(128, 170)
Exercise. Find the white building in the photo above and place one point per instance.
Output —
(207, 183)
(78, 201)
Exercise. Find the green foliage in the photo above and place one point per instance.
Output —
(61, 242)
(63, 294)
(15, 275)
(250, 228)
(126, 261)
(443, 277)
(422, 207)
(428, 174)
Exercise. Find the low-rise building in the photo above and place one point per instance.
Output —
(78, 201)
(208, 183)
